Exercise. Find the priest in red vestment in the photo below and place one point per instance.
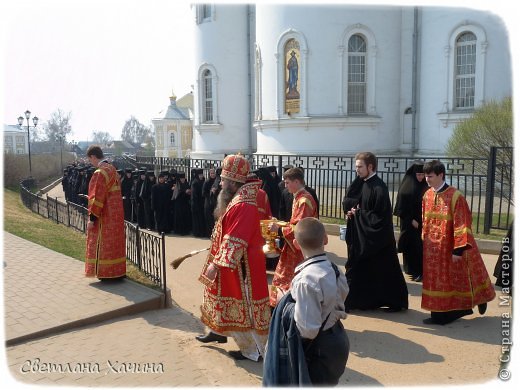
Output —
(106, 245)
(303, 206)
(236, 300)
(455, 278)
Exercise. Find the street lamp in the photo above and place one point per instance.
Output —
(60, 137)
(20, 122)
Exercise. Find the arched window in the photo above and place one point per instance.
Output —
(465, 62)
(357, 53)
(206, 108)
(356, 75)
(172, 139)
(207, 97)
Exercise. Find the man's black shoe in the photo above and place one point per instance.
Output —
(482, 308)
(237, 355)
(210, 337)
(430, 321)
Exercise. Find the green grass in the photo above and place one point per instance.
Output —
(22, 222)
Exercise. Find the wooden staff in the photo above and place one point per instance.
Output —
(175, 263)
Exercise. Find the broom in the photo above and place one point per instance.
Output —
(175, 263)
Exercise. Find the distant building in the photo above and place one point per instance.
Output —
(15, 140)
(173, 128)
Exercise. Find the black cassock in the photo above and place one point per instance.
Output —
(182, 215)
(197, 208)
(209, 205)
(373, 271)
(408, 207)
(126, 193)
(139, 204)
(161, 195)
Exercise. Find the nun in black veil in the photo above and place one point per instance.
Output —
(408, 208)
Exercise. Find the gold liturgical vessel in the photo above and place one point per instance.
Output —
(270, 248)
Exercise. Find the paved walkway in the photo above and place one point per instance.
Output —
(46, 295)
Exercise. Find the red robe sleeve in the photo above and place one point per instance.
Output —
(97, 192)
(238, 229)
(462, 220)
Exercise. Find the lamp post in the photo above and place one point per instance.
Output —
(20, 122)
(60, 137)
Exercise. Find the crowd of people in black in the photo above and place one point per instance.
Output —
(172, 202)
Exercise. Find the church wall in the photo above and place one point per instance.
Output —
(322, 28)
(222, 43)
(437, 116)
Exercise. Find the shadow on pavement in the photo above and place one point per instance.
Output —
(470, 328)
(383, 346)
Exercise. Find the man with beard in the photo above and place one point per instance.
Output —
(373, 271)
(181, 196)
(236, 302)
(160, 203)
(208, 208)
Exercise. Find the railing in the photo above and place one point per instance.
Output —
(146, 250)
(491, 205)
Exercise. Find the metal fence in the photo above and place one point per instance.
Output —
(486, 182)
(146, 250)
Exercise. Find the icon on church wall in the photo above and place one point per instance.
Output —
(292, 77)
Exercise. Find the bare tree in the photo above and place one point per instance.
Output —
(58, 126)
(135, 132)
(101, 137)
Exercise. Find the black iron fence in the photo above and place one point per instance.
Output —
(146, 250)
(486, 182)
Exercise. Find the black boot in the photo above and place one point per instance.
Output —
(210, 337)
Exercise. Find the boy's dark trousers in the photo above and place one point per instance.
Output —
(327, 355)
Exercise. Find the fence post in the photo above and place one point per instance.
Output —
(490, 189)
(138, 240)
(56, 202)
(163, 242)
(68, 214)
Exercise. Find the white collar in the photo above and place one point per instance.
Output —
(437, 189)
(371, 176)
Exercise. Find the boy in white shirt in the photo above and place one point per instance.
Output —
(319, 290)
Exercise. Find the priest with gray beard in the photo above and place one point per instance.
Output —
(236, 300)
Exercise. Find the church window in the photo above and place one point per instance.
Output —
(465, 61)
(172, 139)
(356, 75)
(205, 13)
(207, 97)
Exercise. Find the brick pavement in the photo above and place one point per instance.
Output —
(45, 292)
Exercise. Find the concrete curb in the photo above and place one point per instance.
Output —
(154, 303)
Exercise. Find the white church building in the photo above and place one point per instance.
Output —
(338, 79)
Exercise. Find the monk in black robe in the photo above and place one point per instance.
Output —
(138, 201)
(197, 204)
(408, 207)
(209, 206)
(181, 196)
(126, 192)
(160, 203)
(146, 196)
(372, 269)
